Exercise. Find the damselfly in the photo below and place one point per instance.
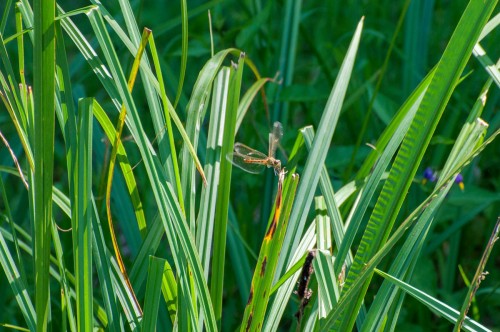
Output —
(253, 161)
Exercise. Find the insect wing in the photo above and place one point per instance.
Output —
(274, 138)
(247, 159)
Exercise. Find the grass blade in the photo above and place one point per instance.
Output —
(81, 208)
(152, 296)
(43, 149)
(208, 201)
(221, 211)
(268, 258)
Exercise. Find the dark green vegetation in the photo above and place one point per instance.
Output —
(395, 100)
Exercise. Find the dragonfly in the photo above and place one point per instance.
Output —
(253, 161)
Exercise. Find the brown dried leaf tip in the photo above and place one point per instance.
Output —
(302, 291)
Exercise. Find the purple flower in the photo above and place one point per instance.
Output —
(429, 175)
(460, 181)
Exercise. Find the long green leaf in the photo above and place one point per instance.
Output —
(43, 151)
(264, 272)
(81, 212)
(208, 201)
(221, 211)
(152, 296)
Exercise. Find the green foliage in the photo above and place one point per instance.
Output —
(402, 78)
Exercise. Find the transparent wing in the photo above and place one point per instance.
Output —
(274, 138)
(247, 151)
(247, 159)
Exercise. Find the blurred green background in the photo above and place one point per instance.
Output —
(304, 68)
